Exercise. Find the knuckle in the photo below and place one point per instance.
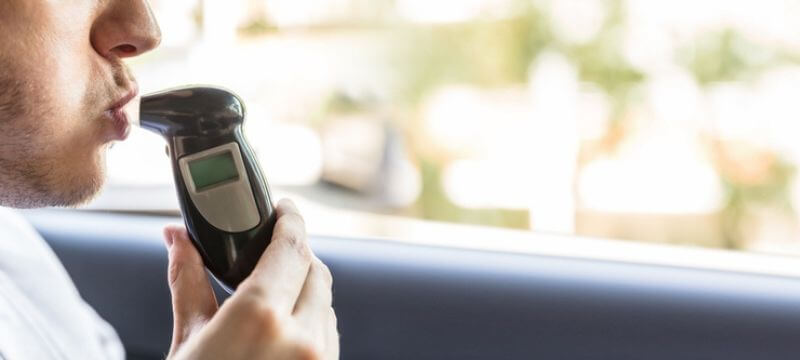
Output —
(305, 351)
(266, 315)
(302, 249)
(263, 321)
(282, 203)
(295, 219)
(250, 287)
(297, 243)
(291, 230)
(294, 239)
(267, 322)
(246, 304)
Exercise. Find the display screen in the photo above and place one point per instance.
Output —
(213, 170)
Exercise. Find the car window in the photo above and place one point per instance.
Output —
(644, 120)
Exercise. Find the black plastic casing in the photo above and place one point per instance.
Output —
(200, 118)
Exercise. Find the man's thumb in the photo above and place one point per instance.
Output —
(193, 300)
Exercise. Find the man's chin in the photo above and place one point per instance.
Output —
(58, 174)
(77, 188)
(64, 195)
(79, 191)
(82, 195)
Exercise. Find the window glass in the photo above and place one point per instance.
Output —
(647, 120)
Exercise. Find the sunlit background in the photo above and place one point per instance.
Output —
(648, 120)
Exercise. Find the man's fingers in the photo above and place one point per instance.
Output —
(316, 296)
(193, 300)
(332, 336)
(313, 309)
(282, 269)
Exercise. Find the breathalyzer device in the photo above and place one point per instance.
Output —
(224, 197)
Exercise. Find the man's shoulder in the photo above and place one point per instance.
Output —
(23, 249)
(12, 223)
(52, 317)
(25, 257)
(19, 242)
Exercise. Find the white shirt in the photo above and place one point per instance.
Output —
(42, 316)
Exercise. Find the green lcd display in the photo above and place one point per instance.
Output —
(213, 170)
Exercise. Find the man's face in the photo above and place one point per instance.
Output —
(65, 94)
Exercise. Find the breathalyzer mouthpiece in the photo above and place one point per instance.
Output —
(193, 111)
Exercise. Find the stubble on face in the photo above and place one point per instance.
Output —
(61, 72)
(31, 173)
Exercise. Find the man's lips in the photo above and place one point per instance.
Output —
(118, 113)
(125, 99)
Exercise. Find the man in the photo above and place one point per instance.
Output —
(64, 91)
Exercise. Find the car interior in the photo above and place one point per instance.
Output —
(406, 301)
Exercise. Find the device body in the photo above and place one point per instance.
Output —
(224, 196)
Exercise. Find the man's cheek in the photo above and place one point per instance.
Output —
(63, 57)
(69, 79)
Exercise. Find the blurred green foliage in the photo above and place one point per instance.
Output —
(494, 53)
(434, 204)
(725, 56)
(497, 53)
(487, 53)
(257, 27)
(774, 192)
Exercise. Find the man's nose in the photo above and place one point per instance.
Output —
(125, 28)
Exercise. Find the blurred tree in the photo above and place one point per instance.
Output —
(495, 52)
(752, 176)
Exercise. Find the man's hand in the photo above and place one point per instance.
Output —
(282, 311)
